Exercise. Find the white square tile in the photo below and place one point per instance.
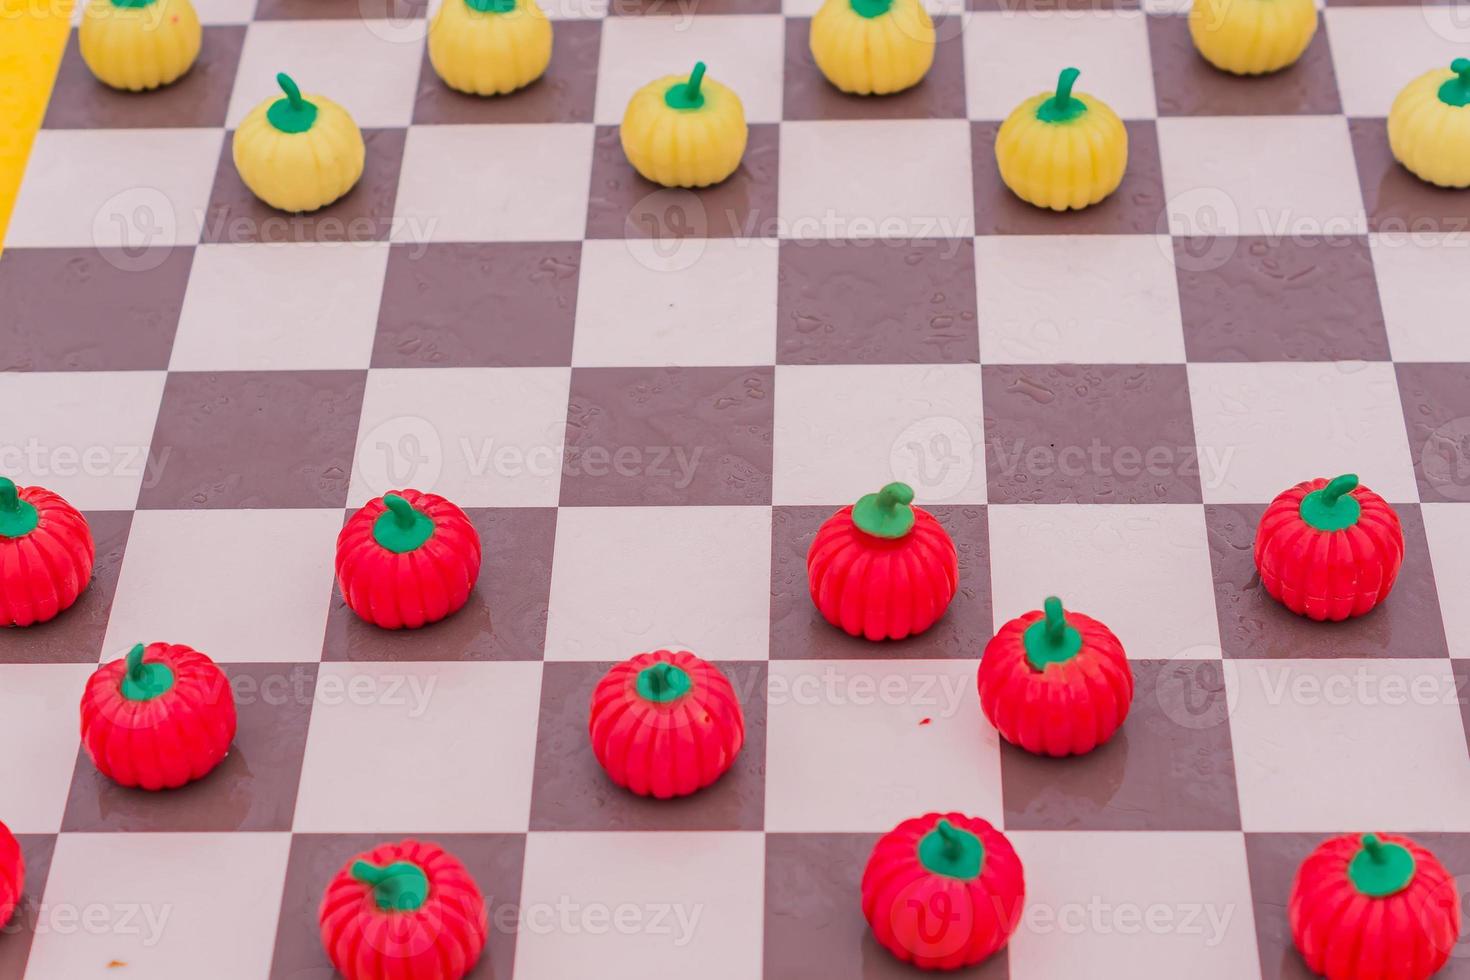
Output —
(84, 435)
(1378, 50)
(866, 180)
(184, 581)
(1135, 905)
(457, 740)
(1307, 731)
(368, 67)
(41, 715)
(170, 906)
(1265, 427)
(643, 905)
(1119, 303)
(483, 437)
(1010, 58)
(1421, 279)
(1149, 550)
(1261, 175)
(220, 11)
(858, 746)
(712, 305)
(500, 183)
(115, 187)
(1448, 528)
(843, 431)
(304, 306)
(747, 53)
(631, 579)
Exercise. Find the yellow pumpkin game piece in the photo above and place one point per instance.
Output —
(1429, 125)
(139, 44)
(298, 153)
(684, 132)
(489, 47)
(1062, 150)
(1252, 37)
(873, 47)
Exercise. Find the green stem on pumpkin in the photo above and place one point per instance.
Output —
(1338, 486)
(9, 495)
(293, 114)
(1051, 639)
(658, 678)
(951, 838)
(1065, 81)
(687, 94)
(696, 77)
(1374, 847)
(886, 514)
(1380, 868)
(292, 90)
(1063, 106)
(1456, 91)
(144, 681)
(403, 513)
(1056, 619)
(662, 682)
(398, 887)
(402, 527)
(17, 517)
(135, 662)
(1333, 507)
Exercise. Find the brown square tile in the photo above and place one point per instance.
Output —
(1089, 434)
(1170, 767)
(941, 95)
(256, 439)
(478, 304)
(1185, 84)
(798, 631)
(565, 94)
(365, 214)
(876, 301)
(1436, 400)
(1045, 6)
(718, 419)
(199, 99)
(75, 637)
(86, 309)
(688, 8)
(495, 862)
(505, 618)
(814, 926)
(1252, 624)
(392, 10)
(1135, 208)
(254, 788)
(1396, 200)
(624, 205)
(571, 792)
(15, 938)
(1279, 299)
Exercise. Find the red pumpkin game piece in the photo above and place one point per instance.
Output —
(881, 568)
(1055, 683)
(161, 717)
(407, 559)
(1374, 907)
(1329, 550)
(665, 724)
(405, 911)
(12, 874)
(46, 554)
(943, 891)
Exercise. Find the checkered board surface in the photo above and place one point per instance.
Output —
(648, 400)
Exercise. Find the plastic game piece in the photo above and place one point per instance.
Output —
(12, 874)
(299, 152)
(408, 910)
(1252, 37)
(46, 554)
(943, 891)
(1055, 683)
(883, 569)
(407, 559)
(158, 718)
(1374, 907)
(139, 44)
(684, 132)
(1429, 125)
(489, 47)
(1062, 150)
(1329, 550)
(873, 47)
(665, 724)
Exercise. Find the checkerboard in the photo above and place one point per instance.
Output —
(648, 400)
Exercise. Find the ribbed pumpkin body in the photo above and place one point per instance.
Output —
(1252, 37)
(489, 52)
(139, 47)
(44, 568)
(439, 940)
(1066, 708)
(300, 171)
(165, 741)
(1328, 575)
(398, 590)
(1062, 165)
(670, 741)
(873, 55)
(1344, 934)
(1428, 136)
(692, 147)
(12, 874)
(938, 921)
